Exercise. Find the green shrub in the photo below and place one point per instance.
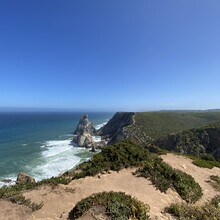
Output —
(205, 212)
(117, 206)
(205, 163)
(215, 182)
(126, 154)
(114, 157)
(14, 193)
(164, 176)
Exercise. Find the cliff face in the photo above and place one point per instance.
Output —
(116, 128)
(195, 141)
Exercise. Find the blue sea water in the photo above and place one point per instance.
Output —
(40, 143)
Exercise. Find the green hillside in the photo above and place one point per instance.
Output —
(197, 141)
(160, 124)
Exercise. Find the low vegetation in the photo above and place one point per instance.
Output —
(203, 161)
(126, 154)
(164, 176)
(117, 206)
(116, 157)
(205, 212)
(14, 193)
(201, 142)
(215, 182)
(163, 123)
(113, 157)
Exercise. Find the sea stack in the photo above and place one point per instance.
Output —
(84, 132)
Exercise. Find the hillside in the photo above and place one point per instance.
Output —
(160, 124)
(145, 127)
(197, 141)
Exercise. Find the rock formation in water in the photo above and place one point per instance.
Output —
(84, 132)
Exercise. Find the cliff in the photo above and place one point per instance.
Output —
(116, 128)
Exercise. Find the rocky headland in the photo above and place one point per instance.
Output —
(115, 130)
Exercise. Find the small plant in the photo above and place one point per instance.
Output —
(215, 182)
(14, 193)
(117, 206)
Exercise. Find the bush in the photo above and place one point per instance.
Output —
(164, 176)
(207, 211)
(215, 182)
(204, 162)
(13, 193)
(114, 157)
(117, 205)
(126, 154)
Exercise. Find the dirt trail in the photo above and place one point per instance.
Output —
(59, 201)
(201, 175)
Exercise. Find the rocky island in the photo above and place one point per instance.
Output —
(84, 132)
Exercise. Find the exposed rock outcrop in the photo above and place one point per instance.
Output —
(84, 132)
(24, 178)
(85, 125)
(84, 140)
(116, 129)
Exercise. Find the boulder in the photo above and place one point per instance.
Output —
(24, 178)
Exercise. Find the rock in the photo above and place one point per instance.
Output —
(115, 129)
(85, 125)
(84, 140)
(24, 178)
(84, 132)
(6, 180)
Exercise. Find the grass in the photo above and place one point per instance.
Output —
(117, 206)
(160, 124)
(207, 211)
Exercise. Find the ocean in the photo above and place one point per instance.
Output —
(39, 144)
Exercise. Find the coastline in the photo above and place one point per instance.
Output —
(62, 151)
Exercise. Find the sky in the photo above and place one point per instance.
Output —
(118, 55)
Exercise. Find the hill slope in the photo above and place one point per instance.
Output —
(197, 142)
(144, 127)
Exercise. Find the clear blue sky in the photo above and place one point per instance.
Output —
(110, 55)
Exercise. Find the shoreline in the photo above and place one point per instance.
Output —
(84, 154)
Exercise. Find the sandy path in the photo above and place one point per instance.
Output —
(201, 175)
(59, 201)
(10, 211)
